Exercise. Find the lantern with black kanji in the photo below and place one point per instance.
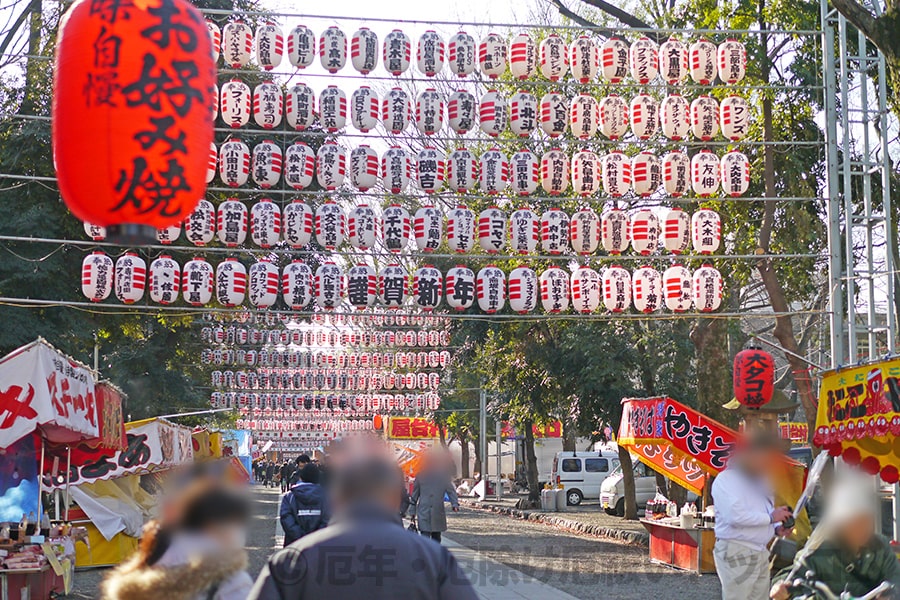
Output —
(462, 170)
(333, 49)
(428, 225)
(615, 174)
(427, 287)
(429, 112)
(461, 231)
(647, 289)
(734, 117)
(553, 114)
(646, 174)
(494, 172)
(266, 164)
(235, 105)
(705, 170)
(523, 112)
(197, 282)
(524, 231)
(431, 167)
(301, 46)
(237, 44)
(263, 284)
(677, 284)
(396, 169)
(644, 228)
(329, 286)
(97, 276)
(706, 231)
(704, 117)
(490, 289)
(673, 61)
(333, 108)
(586, 290)
(643, 116)
(397, 228)
(492, 55)
(523, 290)
(297, 218)
(735, 173)
(676, 230)
(616, 289)
(200, 226)
(554, 57)
(130, 278)
(362, 227)
(364, 168)
(731, 56)
(461, 54)
(396, 110)
(554, 231)
(462, 111)
(267, 105)
(702, 60)
(269, 45)
(300, 106)
(613, 117)
(299, 165)
(234, 163)
(707, 288)
(584, 116)
(675, 117)
(265, 223)
(492, 115)
(492, 229)
(754, 377)
(362, 286)
(554, 283)
(164, 280)
(584, 59)
(365, 108)
(167, 235)
(614, 233)
(231, 223)
(460, 287)
(585, 173)
(331, 165)
(95, 232)
(330, 225)
(614, 59)
(554, 171)
(644, 60)
(584, 231)
(393, 286)
(524, 172)
(522, 56)
(364, 50)
(676, 167)
(397, 52)
(430, 53)
(297, 285)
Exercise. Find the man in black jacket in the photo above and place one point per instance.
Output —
(304, 508)
(365, 552)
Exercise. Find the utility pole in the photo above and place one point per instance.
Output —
(482, 433)
(498, 428)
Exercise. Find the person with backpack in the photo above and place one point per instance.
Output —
(304, 508)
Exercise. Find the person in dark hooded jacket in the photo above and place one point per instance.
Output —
(304, 509)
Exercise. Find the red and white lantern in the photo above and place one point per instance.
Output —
(329, 286)
(731, 56)
(431, 166)
(266, 164)
(263, 284)
(331, 165)
(362, 227)
(197, 282)
(614, 232)
(584, 116)
(673, 61)
(396, 110)
(301, 46)
(330, 225)
(676, 167)
(430, 53)
(705, 117)
(554, 172)
(428, 228)
(362, 286)
(265, 223)
(734, 117)
(300, 106)
(706, 231)
(707, 288)
(616, 174)
(365, 108)
(584, 59)
(461, 54)
(643, 115)
(494, 172)
(613, 117)
(200, 226)
(298, 224)
(524, 172)
(492, 56)
(231, 282)
(267, 105)
(554, 114)
(462, 111)
(461, 229)
(614, 60)
(523, 290)
(676, 231)
(554, 61)
(269, 45)
(215, 38)
(705, 173)
(492, 115)
(333, 49)
(554, 290)
(231, 223)
(397, 228)
(212, 163)
(97, 276)
(429, 112)
(427, 287)
(735, 173)
(677, 281)
(523, 113)
(95, 232)
(297, 285)
(675, 116)
(235, 103)
(647, 289)
(490, 289)
(234, 163)
(397, 52)
(168, 235)
(584, 231)
(644, 229)
(616, 289)
(396, 169)
(333, 108)
(554, 231)
(646, 174)
(462, 171)
(585, 173)
(393, 286)
(702, 59)
(644, 60)
(164, 280)
(364, 168)
(522, 56)
(364, 50)
(460, 287)
(586, 286)
(524, 231)
(492, 229)
(237, 44)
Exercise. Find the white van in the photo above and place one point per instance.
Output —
(612, 491)
(582, 473)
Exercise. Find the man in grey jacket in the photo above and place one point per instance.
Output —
(432, 483)
(365, 552)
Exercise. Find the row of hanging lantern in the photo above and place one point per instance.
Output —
(584, 57)
(329, 320)
(306, 359)
(332, 424)
(313, 403)
(613, 116)
(320, 337)
(325, 379)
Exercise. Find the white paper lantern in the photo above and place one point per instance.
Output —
(554, 290)
(301, 46)
(330, 225)
(333, 49)
(362, 227)
(492, 229)
(397, 228)
(616, 289)
(734, 117)
(269, 45)
(231, 223)
(300, 106)
(461, 231)
(396, 110)
(704, 117)
(397, 52)
(460, 287)
(364, 50)
(95, 232)
(584, 231)
(365, 108)
(97, 276)
(212, 162)
(614, 60)
(494, 172)
(265, 223)
(677, 281)
(522, 56)
(297, 285)
(706, 231)
(705, 173)
(523, 290)
(164, 280)
(492, 56)
(237, 44)
(167, 235)
(584, 116)
(647, 290)
(523, 113)
(430, 53)
(393, 286)
(554, 57)
(490, 289)
(674, 114)
(428, 228)
(333, 108)
(643, 116)
(329, 286)
(524, 231)
(215, 38)
(554, 172)
(266, 164)
(231, 282)
(644, 60)
(554, 114)
(235, 103)
(646, 174)
(707, 288)
(673, 61)
(586, 170)
(492, 115)
(644, 229)
(554, 231)
(613, 118)
(732, 61)
(735, 173)
(702, 57)
(331, 165)
(676, 168)
(362, 286)
(462, 111)
(234, 163)
(614, 231)
(461, 54)
(396, 169)
(364, 168)
(524, 169)
(263, 284)
(298, 224)
(431, 167)
(427, 287)
(429, 112)
(200, 226)
(462, 170)
(267, 105)
(584, 59)
(676, 231)
(586, 290)
(615, 174)
(197, 282)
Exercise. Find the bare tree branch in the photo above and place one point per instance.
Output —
(859, 16)
(573, 16)
(624, 16)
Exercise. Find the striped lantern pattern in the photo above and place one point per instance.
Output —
(197, 281)
(97, 276)
(584, 116)
(268, 107)
(673, 61)
(461, 54)
(300, 106)
(396, 110)
(731, 60)
(523, 290)
(522, 56)
(492, 114)
(427, 287)
(397, 52)
(490, 289)
(643, 116)
(586, 290)
(461, 229)
(462, 170)
(431, 168)
(393, 286)
(646, 174)
(644, 60)
(231, 223)
(647, 290)
(704, 117)
(429, 112)
(614, 60)
(231, 282)
(554, 171)
(266, 164)
(298, 224)
(676, 231)
(362, 286)
(554, 290)
(702, 60)
(705, 173)
(735, 173)
(297, 285)
(644, 229)
(333, 49)
(524, 169)
(734, 117)
(397, 228)
(524, 231)
(330, 225)
(615, 174)
(234, 163)
(707, 288)
(331, 165)
(554, 57)
(215, 38)
(675, 117)
(430, 53)
(95, 232)
(200, 226)
(328, 284)
(553, 114)
(364, 50)
(365, 108)
(676, 169)
(586, 171)
(462, 111)
(494, 172)
(584, 59)
(492, 56)
(265, 223)
(235, 103)
(616, 289)
(614, 232)
(269, 45)
(706, 231)
(396, 169)
(460, 287)
(428, 228)
(492, 229)
(613, 117)
(263, 284)
(677, 284)
(167, 235)
(333, 108)
(212, 162)
(237, 44)
(362, 227)
(301, 46)
(584, 231)
(164, 280)
(554, 231)
(523, 112)
(363, 168)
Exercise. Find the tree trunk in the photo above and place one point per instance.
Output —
(568, 435)
(628, 483)
(464, 456)
(714, 378)
(531, 467)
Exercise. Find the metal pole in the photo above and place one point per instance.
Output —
(96, 355)
(68, 477)
(482, 432)
(499, 438)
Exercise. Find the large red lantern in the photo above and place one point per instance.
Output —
(754, 377)
(133, 83)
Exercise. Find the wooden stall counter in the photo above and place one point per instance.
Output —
(688, 549)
